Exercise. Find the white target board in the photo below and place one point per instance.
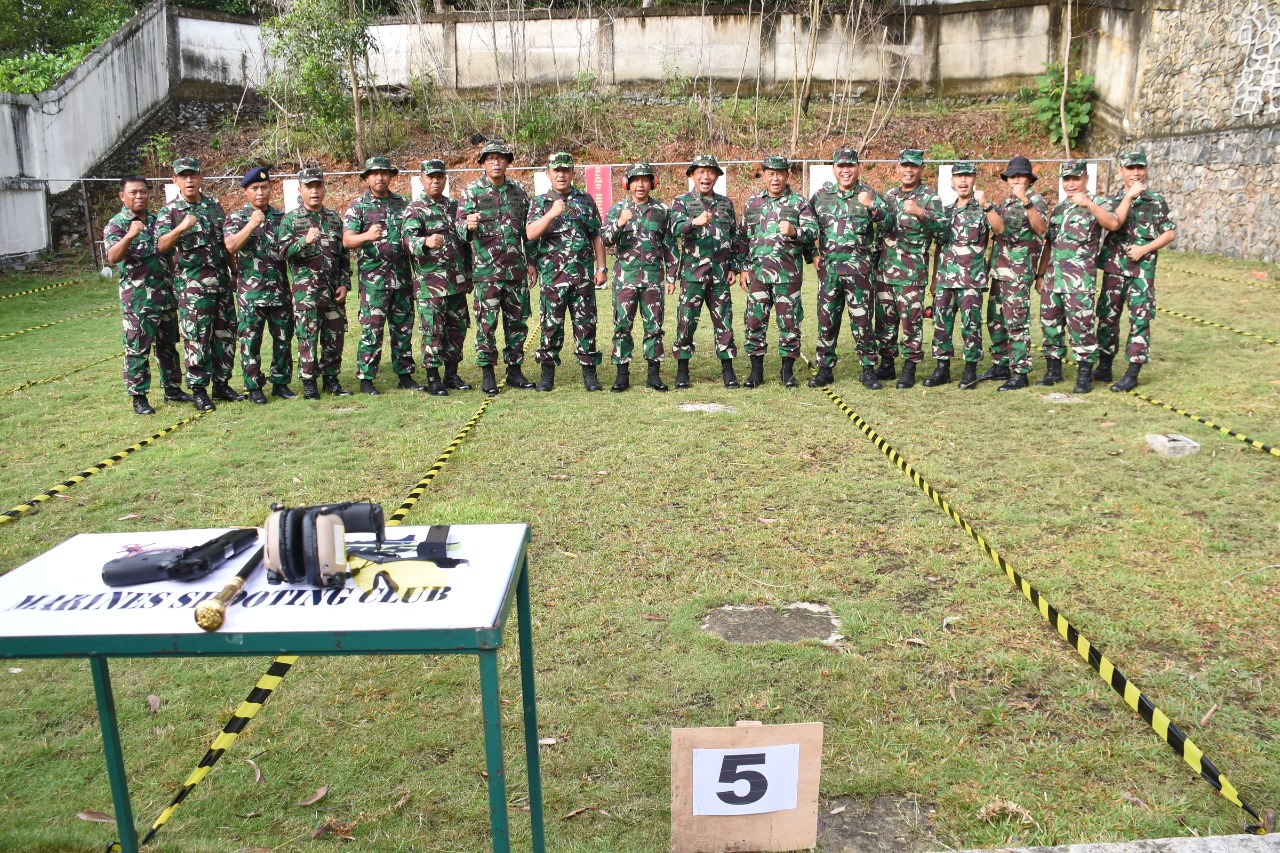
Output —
(292, 194)
(541, 183)
(171, 192)
(1091, 182)
(819, 174)
(945, 192)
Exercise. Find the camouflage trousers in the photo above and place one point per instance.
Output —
(510, 301)
(320, 325)
(783, 298)
(1140, 294)
(968, 302)
(1074, 311)
(997, 331)
(718, 296)
(900, 304)
(442, 325)
(385, 301)
(578, 303)
(835, 293)
(207, 318)
(1014, 305)
(650, 301)
(145, 334)
(276, 320)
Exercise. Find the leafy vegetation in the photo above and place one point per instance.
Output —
(42, 40)
(1051, 111)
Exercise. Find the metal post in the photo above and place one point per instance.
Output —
(115, 757)
(88, 227)
(491, 706)
(525, 623)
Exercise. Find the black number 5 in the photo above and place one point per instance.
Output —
(730, 774)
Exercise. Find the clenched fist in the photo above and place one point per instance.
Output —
(786, 229)
(313, 234)
(701, 219)
(135, 228)
(473, 221)
(866, 199)
(435, 241)
(625, 216)
(911, 207)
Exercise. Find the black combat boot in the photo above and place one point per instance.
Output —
(995, 371)
(756, 377)
(1130, 379)
(452, 380)
(223, 391)
(257, 397)
(682, 373)
(869, 380)
(1052, 372)
(885, 370)
(366, 387)
(515, 377)
(941, 374)
(141, 406)
(788, 374)
(174, 394)
(1015, 382)
(488, 382)
(727, 375)
(284, 392)
(1102, 373)
(548, 380)
(309, 390)
(200, 397)
(1084, 378)
(589, 379)
(908, 377)
(969, 379)
(334, 387)
(434, 386)
(655, 376)
(623, 380)
(407, 383)
(822, 378)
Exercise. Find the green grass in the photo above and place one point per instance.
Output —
(643, 518)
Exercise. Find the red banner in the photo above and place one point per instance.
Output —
(599, 185)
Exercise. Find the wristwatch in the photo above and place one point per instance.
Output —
(1029, 205)
(602, 269)
(988, 207)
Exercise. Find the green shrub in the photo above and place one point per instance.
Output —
(1079, 104)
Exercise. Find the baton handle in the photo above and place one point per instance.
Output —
(212, 612)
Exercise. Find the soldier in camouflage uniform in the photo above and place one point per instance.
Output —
(913, 220)
(1070, 258)
(372, 225)
(847, 212)
(643, 230)
(1129, 270)
(491, 218)
(564, 238)
(1025, 215)
(190, 227)
(146, 297)
(961, 276)
(310, 238)
(441, 269)
(262, 287)
(777, 224)
(710, 258)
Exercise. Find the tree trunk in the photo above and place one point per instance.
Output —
(1066, 77)
(355, 96)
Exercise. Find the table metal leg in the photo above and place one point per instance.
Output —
(492, 708)
(114, 755)
(525, 623)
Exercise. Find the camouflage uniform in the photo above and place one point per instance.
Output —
(386, 297)
(565, 260)
(202, 280)
(1074, 239)
(440, 278)
(1132, 282)
(646, 257)
(960, 280)
(317, 271)
(1013, 270)
(904, 270)
(262, 297)
(147, 304)
(846, 274)
(708, 255)
(777, 268)
(499, 268)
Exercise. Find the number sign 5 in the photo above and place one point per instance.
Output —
(743, 782)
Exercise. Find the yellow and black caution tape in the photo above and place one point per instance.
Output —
(1133, 697)
(1265, 448)
(438, 465)
(34, 382)
(1244, 281)
(22, 509)
(56, 322)
(42, 289)
(1218, 326)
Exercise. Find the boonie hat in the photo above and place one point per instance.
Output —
(255, 175)
(1072, 169)
(776, 162)
(704, 161)
(432, 167)
(1018, 166)
(310, 175)
(845, 157)
(911, 157)
(639, 170)
(560, 160)
(1133, 158)
(496, 146)
(378, 164)
(186, 164)
(964, 167)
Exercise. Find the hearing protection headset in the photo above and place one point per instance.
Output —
(308, 543)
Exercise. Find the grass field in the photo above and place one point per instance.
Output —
(644, 517)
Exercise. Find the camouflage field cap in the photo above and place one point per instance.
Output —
(776, 163)
(378, 163)
(560, 160)
(311, 175)
(1072, 169)
(639, 170)
(964, 167)
(844, 157)
(432, 167)
(186, 164)
(496, 146)
(1133, 158)
(704, 161)
(911, 157)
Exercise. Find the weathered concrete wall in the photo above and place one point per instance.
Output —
(219, 52)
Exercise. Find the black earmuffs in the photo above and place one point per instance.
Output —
(309, 543)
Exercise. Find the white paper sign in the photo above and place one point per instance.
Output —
(541, 183)
(945, 192)
(417, 190)
(170, 192)
(746, 781)
(1091, 182)
(292, 194)
(722, 185)
(819, 174)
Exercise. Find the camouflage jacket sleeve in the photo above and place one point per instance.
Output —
(671, 246)
(415, 231)
(610, 230)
